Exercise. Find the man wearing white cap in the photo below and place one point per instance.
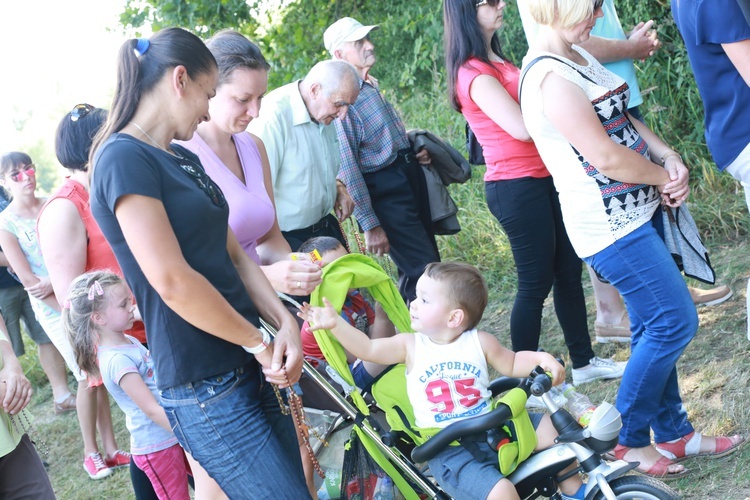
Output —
(378, 167)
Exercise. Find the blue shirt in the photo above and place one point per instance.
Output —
(704, 26)
(6, 280)
(609, 26)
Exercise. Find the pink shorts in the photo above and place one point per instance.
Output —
(168, 472)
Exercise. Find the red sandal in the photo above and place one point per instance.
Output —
(688, 446)
(660, 470)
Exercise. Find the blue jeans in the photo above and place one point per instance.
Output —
(663, 321)
(232, 425)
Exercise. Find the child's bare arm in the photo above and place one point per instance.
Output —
(139, 393)
(385, 351)
(518, 364)
(383, 326)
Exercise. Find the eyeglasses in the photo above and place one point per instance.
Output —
(28, 170)
(598, 4)
(491, 3)
(79, 111)
(204, 182)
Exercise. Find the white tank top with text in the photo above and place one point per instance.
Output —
(448, 382)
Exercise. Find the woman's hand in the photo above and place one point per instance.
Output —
(286, 352)
(15, 389)
(295, 277)
(41, 289)
(677, 189)
(320, 318)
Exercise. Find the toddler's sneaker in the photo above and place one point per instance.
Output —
(95, 467)
(598, 368)
(119, 459)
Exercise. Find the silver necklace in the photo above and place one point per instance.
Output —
(150, 138)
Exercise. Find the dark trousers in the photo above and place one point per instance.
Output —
(327, 226)
(22, 474)
(399, 199)
(529, 211)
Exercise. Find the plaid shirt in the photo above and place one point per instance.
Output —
(368, 150)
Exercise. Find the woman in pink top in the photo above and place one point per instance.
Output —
(237, 162)
(483, 86)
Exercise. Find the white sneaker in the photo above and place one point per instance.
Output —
(598, 368)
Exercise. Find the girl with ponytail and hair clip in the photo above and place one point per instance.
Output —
(96, 313)
(199, 293)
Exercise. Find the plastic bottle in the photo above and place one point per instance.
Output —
(556, 393)
(383, 489)
(579, 405)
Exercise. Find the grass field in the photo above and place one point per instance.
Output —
(714, 370)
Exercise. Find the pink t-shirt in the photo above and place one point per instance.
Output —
(251, 213)
(506, 157)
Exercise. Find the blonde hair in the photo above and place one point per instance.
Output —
(562, 14)
(86, 296)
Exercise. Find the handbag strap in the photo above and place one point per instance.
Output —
(536, 60)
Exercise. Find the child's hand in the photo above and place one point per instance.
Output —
(320, 318)
(551, 365)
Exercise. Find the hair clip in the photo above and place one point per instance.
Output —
(141, 46)
(66, 304)
(95, 288)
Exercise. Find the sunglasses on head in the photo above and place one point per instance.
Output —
(79, 111)
(28, 170)
(491, 3)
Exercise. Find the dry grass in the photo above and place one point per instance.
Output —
(714, 375)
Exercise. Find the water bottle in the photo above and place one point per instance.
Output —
(556, 393)
(383, 489)
(579, 405)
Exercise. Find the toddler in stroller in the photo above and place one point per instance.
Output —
(447, 374)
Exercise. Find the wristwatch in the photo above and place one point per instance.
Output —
(263, 343)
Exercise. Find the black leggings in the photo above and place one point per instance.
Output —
(529, 211)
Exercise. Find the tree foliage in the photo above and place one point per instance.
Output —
(410, 48)
(290, 33)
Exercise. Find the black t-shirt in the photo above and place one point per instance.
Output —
(181, 352)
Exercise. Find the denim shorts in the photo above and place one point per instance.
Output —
(232, 424)
(362, 377)
(462, 476)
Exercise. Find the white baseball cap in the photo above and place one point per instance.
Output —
(345, 29)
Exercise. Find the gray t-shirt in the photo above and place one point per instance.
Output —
(114, 363)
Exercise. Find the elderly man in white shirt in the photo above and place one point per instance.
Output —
(295, 124)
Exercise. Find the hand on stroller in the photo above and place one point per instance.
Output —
(283, 354)
(320, 318)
